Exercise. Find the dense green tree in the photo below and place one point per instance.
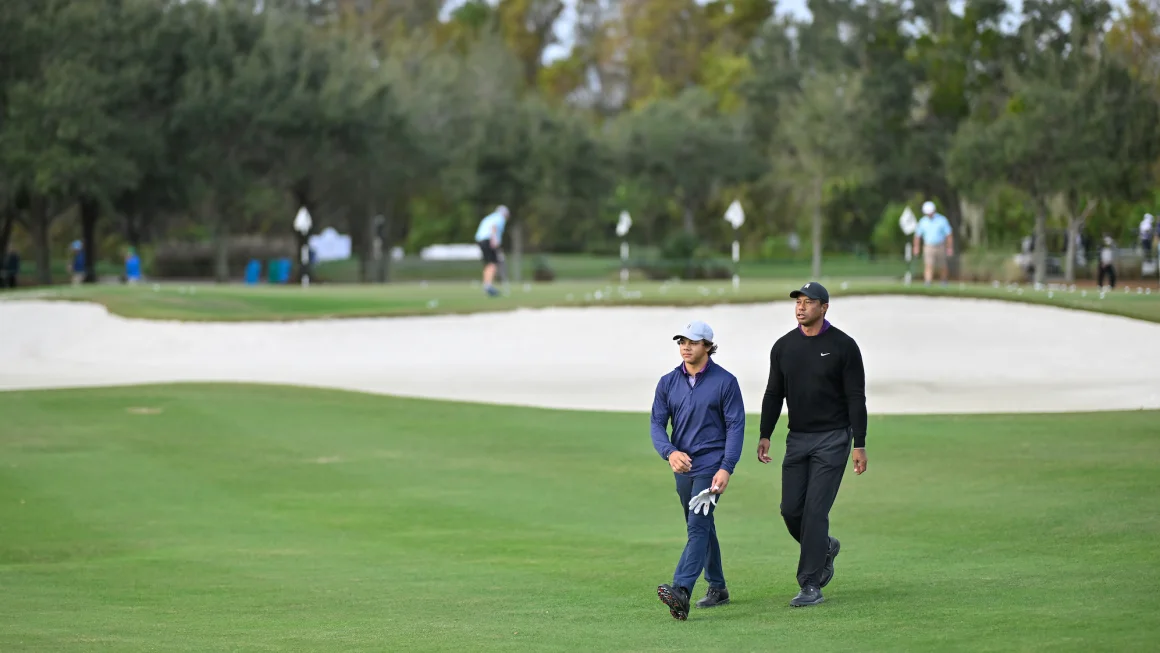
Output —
(402, 122)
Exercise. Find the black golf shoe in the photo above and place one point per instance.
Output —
(677, 598)
(714, 597)
(809, 595)
(828, 570)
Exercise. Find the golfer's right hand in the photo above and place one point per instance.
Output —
(763, 451)
(680, 462)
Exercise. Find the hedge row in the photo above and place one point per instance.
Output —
(184, 260)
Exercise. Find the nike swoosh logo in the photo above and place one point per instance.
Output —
(827, 353)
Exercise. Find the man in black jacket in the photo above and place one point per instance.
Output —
(817, 369)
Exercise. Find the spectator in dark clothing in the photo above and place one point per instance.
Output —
(817, 370)
(76, 266)
(10, 271)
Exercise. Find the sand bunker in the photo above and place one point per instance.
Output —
(944, 355)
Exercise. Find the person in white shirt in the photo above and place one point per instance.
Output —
(1108, 263)
(488, 236)
(934, 232)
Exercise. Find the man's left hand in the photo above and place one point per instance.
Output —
(859, 456)
(720, 480)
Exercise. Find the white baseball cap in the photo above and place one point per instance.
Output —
(928, 208)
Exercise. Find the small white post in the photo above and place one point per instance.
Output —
(302, 224)
(735, 216)
(623, 224)
(736, 258)
(907, 254)
(908, 223)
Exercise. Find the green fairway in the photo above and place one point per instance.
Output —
(240, 518)
(264, 302)
(595, 268)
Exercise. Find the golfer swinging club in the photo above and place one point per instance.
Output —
(703, 401)
(818, 370)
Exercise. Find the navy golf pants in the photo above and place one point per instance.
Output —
(702, 553)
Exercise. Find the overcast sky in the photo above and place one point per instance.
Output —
(792, 7)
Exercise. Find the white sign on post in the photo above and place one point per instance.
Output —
(622, 227)
(623, 224)
(302, 221)
(908, 222)
(735, 216)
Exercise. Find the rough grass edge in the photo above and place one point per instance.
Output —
(1039, 298)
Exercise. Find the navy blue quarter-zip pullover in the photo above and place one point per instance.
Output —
(707, 415)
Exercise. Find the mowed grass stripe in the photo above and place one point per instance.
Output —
(263, 518)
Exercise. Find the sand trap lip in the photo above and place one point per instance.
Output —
(941, 355)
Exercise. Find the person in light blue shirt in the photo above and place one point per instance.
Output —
(935, 234)
(489, 236)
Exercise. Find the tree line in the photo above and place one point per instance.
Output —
(408, 120)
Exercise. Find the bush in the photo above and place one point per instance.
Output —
(682, 256)
(659, 270)
(778, 248)
(984, 267)
(887, 237)
(680, 246)
(542, 270)
(196, 260)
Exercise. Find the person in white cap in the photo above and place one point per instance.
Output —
(703, 402)
(488, 236)
(934, 232)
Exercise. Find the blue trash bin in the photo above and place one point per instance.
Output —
(279, 270)
(253, 272)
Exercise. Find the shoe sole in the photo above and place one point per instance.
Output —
(673, 602)
(794, 604)
(833, 558)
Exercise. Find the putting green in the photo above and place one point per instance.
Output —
(256, 518)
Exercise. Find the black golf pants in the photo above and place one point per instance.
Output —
(810, 475)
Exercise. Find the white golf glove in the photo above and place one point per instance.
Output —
(703, 502)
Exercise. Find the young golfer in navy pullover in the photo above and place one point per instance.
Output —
(703, 402)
